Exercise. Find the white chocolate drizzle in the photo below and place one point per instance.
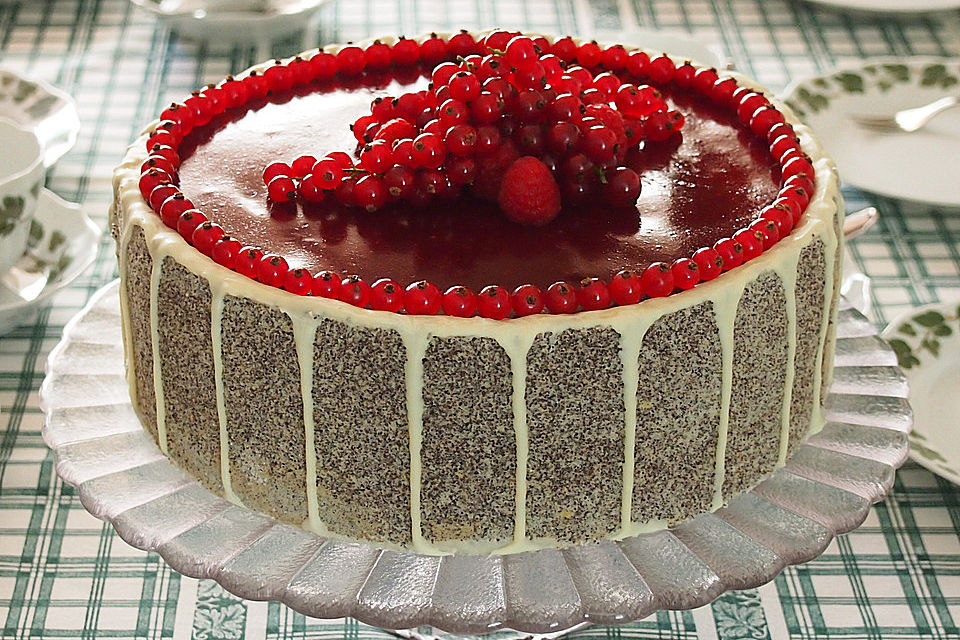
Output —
(216, 340)
(304, 332)
(515, 336)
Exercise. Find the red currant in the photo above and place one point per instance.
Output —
(428, 151)
(405, 52)
(326, 284)
(730, 252)
(160, 193)
(150, 179)
(188, 223)
(246, 262)
(593, 294)
(657, 280)
(626, 288)
(172, 208)
(370, 192)
(275, 169)
(421, 298)
(686, 273)
(622, 187)
(751, 242)
(225, 251)
(271, 270)
(526, 300)
(298, 281)
(282, 189)
(205, 236)
(302, 166)
(350, 60)
(459, 301)
(561, 298)
(493, 302)
(386, 295)
(708, 262)
(354, 290)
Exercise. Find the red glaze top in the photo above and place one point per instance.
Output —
(698, 187)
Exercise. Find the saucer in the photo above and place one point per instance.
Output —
(927, 343)
(63, 239)
(907, 166)
(50, 113)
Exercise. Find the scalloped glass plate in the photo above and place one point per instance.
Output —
(927, 343)
(825, 489)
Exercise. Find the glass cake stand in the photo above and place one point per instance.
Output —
(825, 489)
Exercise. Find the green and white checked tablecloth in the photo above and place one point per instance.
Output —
(64, 574)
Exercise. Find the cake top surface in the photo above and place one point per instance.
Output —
(508, 186)
(698, 187)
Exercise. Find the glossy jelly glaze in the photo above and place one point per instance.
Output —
(698, 187)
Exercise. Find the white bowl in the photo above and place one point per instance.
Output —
(21, 179)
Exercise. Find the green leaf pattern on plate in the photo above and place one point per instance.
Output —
(924, 330)
(815, 96)
(11, 209)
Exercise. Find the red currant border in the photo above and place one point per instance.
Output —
(158, 182)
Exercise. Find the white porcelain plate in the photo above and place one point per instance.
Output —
(927, 343)
(64, 241)
(892, 6)
(920, 166)
(49, 112)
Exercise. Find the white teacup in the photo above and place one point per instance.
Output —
(21, 180)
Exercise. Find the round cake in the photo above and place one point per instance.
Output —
(464, 326)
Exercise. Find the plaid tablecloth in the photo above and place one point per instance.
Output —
(65, 574)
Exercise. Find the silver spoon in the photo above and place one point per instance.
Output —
(907, 120)
(858, 222)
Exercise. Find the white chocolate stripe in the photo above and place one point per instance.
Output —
(216, 341)
(155, 273)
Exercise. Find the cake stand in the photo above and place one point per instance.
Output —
(825, 489)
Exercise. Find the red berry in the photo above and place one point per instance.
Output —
(614, 58)
(247, 261)
(162, 137)
(657, 280)
(588, 54)
(661, 69)
(532, 76)
(405, 52)
(421, 298)
(637, 63)
(205, 236)
(181, 115)
(350, 60)
(529, 106)
(781, 129)
(461, 171)
(462, 44)
(360, 127)
(326, 284)
(561, 298)
(323, 65)
(355, 291)
(370, 193)
(160, 193)
(298, 281)
(622, 187)
(796, 166)
(686, 273)
(488, 140)
(493, 302)
(564, 48)
(386, 295)
(461, 140)
(428, 151)
(327, 172)
(683, 76)
(486, 109)
(302, 166)
(764, 118)
(593, 294)
(464, 86)
(376, 157)
(751, 242)
(282, 189)
(520, 51)
(563, 137)
(279, 78)
(783, 145)
(276, 169)
(158, 162)
(722, 91)
(394, 130)
(709, 263)
(607, 84)
(528, 193)
(256, 85)
(626, 288)
(188, 222)
(225, 251)
(802, 180)
(433, 50)
(781, 214)
(599, 144)
(798, 194)
(310, 189)
(234, 92)
(377, 56)
(400, 181)
(526, 300)
(750, 101)
(703, 80)
(658, 126)
(459, 301)
(730, 252)
(271, 270)
(151, 179)
(301, 70)
(767, 229)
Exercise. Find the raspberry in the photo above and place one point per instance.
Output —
(529, 194)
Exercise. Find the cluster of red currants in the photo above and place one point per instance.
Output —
(479, 114)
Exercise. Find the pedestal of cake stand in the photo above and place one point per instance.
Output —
(825, 489)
